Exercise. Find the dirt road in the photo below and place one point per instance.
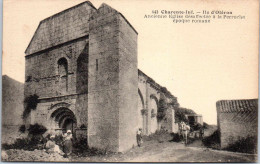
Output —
(176, 152)
(151, 151)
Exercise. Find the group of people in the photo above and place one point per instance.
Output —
(52, 147)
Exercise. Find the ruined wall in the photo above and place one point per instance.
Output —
(151, 93)
(112, 81)
(237, 119)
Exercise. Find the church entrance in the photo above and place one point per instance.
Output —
(64, 120)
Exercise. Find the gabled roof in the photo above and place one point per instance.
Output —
(62, 27)
(65, 26)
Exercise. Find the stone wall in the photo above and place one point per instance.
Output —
(149, 95)
(237, 119)
(56, 66)
(112, 81)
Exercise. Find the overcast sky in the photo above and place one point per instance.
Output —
(199, 63)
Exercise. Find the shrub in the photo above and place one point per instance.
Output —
(80, 145)
(212, 141)
(59, 140)
(22, 129)
(162, 107)
(36, 129)
(25, 144)
(30, 104)
(244, 145)
(176, 137)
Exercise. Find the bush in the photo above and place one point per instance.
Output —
(30, 104)
(25, 144)
(212, 141)
(244, 145)
(58, 140)
(22, 129)
(159, 135)
(81, 148)
(176, 137)
(36, 129)
(162, 107)
(81, 145)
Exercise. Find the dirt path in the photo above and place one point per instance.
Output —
(176, 152)
(151, 151)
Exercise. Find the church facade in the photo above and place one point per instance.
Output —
(82, 64)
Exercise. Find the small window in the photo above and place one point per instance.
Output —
(96, 64)
(63, 72)
(63, 67)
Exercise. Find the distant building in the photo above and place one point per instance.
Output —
(237, 119)
(194, 118)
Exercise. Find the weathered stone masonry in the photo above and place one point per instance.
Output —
(237, 119)
(82, 63)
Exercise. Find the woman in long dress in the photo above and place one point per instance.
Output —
(67, 144)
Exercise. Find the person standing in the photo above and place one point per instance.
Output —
(67, 143)
(139, 137)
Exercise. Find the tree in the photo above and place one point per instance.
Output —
(162, 108)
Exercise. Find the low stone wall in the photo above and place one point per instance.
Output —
(237, 119)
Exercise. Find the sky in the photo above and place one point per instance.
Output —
(198, 63)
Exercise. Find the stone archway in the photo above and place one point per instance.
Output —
(64, 119)
(154, 109)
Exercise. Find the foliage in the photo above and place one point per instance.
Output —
(81, 148)
(162, 108)
(25, 144)
(30, 104)
(80, 145)
(160, 136)
(212, 141)
(59, 140)
(180, 114)
(244, 145)
(36, 129)
(22, 129)
(176, 137)
(166, 92)
(205, 125)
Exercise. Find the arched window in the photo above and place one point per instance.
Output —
(63, 73)
(63, 67)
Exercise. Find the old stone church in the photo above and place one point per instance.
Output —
(82, 63)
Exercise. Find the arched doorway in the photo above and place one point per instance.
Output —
(64, 119)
